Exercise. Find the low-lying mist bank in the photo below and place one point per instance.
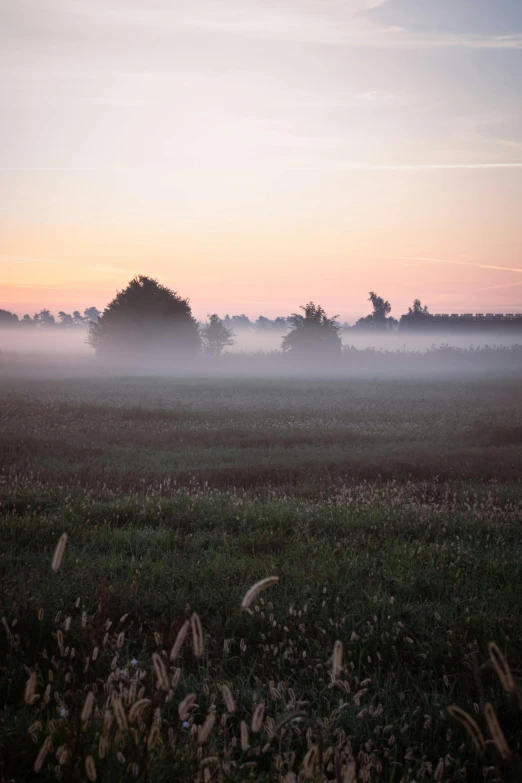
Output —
(73, 342)
(437, 362)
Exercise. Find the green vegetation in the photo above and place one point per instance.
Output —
(391, 513)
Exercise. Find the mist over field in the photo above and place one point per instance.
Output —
(158, 475)
(74, 343)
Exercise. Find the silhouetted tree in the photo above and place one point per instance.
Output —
(65, 319)
(44, 317)
(91, 314)
(263, 323)
(78, 318)
(7, 318)
(378, 319)
(312, 333)
(418, 311)
(241, 321)
(146, 320)
(280, 323)
(216, 336)
(418, 316)
(381, 308)
(27, 321)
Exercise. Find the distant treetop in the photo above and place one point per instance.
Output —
(312, 333)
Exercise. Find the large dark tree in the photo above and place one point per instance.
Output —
(146, 321)
(312, 333)
(7, 318)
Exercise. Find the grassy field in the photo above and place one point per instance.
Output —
(391, 513)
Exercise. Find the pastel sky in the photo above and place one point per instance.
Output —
(256, 154)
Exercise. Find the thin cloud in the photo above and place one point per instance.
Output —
(426, 260)
(335, 166)
(351, 166)
(336, 22)
(461, 263)
(512, 284)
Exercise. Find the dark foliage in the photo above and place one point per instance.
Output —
(312, 333)
(146, 320)
(7, 318)
(216, 336)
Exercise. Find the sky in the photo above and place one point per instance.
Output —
(257, 154)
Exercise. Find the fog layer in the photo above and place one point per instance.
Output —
(74, 342)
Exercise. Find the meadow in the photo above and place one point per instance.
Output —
(391, 512)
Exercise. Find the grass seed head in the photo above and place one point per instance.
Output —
(257, 588)
(160, 671)
(228, 699)
(59, 552)
(137, 709)
(119, 713)
(502, 668)
(197, 635)
(186, 705)
(495, 731)
(90, 769)
(337, 660)
(206, 728)
(87, 707)
(470, 725)
(179, 641)
(30, 695)
(42, 754)
(245, 743)
(258, 717)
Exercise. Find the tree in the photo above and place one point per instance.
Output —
(379, 318)
(146, 320)
(381, 308)
(44, 317)
(312, 333)
(65, 319)
(241, 321)
(78, 318)
(418, 311)
(91, 314)
(417, 316)
(216, 336)
(7, 318)
(280, 323)
(263, 323)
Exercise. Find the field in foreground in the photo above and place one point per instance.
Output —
(391, 513)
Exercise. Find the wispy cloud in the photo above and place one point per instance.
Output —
(427, 260)
(340, 165)
(479, 265)
(512, 284)
(312, 165)
(329, 22)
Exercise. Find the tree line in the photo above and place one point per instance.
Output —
(148, 317)
(46, 318)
